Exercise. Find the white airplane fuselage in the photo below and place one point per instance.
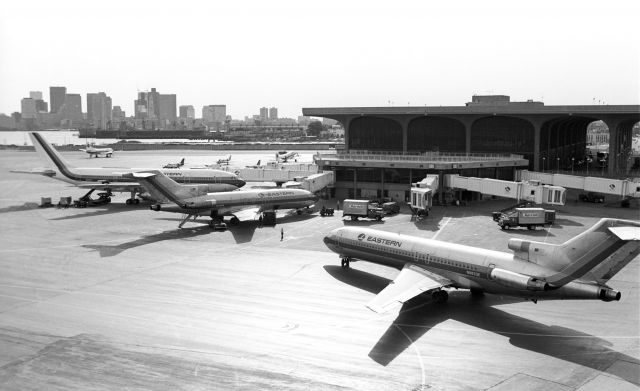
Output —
(467, 267)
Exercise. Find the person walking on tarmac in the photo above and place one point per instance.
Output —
(260, 221)
(338, 205)
(281, 234)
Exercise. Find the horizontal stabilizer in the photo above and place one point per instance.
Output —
(412, 281)
(37, 171)
(626, 233)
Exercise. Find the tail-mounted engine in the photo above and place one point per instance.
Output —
(518, 281)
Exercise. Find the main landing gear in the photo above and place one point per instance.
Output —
(132, 200)
(440, 296)
(344, 262)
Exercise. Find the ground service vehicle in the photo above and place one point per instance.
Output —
(326, 211)
(591, 197)
(361, 208)
(527, 217)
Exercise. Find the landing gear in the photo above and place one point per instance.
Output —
(344, 262)
(132, 200)
(440, 296)
(217, 225)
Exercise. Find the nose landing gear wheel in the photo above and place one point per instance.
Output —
(344, 262)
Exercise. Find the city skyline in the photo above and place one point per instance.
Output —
(334, 54)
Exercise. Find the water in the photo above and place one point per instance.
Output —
(71, 137)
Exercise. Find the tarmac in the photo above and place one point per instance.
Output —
(118, 297)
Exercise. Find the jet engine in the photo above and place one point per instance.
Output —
(583, 291)
(199, 204)
(517, 280)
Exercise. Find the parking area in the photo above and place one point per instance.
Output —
(117, 296)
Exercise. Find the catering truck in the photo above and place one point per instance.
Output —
(527, 217)
(361, 208)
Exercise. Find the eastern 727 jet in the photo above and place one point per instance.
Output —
(576, 269)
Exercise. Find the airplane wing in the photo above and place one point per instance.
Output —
(113, 186)
(412, 281)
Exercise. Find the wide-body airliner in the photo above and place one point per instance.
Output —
(112, 179)
(217, 205)
(576, 269)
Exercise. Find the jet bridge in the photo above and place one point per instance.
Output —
(314, 182)
(532, 190)
(422, 195)
(625, 188)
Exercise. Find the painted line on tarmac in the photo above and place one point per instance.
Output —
(442, 228)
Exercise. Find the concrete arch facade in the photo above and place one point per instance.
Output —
(503, 134)
(375, 134)
(436, 133)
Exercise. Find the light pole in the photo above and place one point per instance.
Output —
(543, 160)
(572, 159)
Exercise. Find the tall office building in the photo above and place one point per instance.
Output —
(264, 113)
(28, 108)
(187, 112)
(273, 113)
(153, 104)
(71, 110)
(140, 106)
(167, 107)
(98, 110)
(56, 97)
(41, 105)
(214, 114)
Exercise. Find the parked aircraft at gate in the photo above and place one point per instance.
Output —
(576, 269)
(218, 205)
(112, 179)
(93, 151)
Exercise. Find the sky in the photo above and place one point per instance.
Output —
(295, 54)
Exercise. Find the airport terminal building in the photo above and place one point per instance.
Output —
(388, 148)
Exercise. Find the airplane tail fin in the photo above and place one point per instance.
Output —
(162, 187)
(599, 252)
(48, 155)
(182, 162)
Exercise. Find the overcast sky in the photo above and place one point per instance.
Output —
(294, 54)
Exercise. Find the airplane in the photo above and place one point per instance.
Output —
(257, 165)
(217, 205)
(174, 165)
(284, 156)
(93, 151)
(576, 269)
(112, 179)
(224, 161)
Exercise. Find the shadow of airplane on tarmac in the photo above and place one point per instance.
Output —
(19, 208)
(101, 210)
(184, 233)
(419, 315)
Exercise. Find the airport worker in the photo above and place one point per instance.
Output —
(281, 234)
(260, 221)
(338, 205)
